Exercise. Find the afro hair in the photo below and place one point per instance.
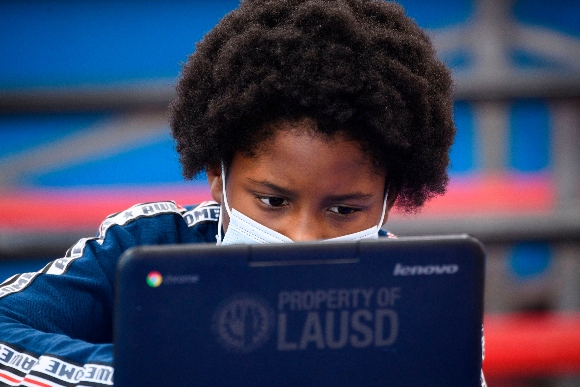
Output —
(359, 67)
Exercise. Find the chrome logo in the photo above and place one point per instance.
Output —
(154, 279)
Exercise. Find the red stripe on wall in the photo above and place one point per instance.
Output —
(57, 210)
(494, 194)
(532, 344)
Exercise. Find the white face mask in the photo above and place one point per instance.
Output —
(244, 230)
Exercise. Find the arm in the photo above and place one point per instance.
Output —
(56, 324)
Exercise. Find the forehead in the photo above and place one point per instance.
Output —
(298, 155)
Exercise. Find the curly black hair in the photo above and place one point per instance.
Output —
(359, 67)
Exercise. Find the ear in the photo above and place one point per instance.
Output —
(214, 179)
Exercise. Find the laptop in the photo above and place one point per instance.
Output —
(397, 312)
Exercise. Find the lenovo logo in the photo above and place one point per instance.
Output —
(425, 270)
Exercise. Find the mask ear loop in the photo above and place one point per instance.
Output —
(384, 209)
(225, 200)
(218, 237)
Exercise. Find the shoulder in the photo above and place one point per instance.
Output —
(163, 222)
(153, 223)
(190, 224)
(386, 234)
(202, 219)
(208, 211)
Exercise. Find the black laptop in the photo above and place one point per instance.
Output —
(395, 312)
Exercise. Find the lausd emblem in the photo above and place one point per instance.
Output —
(243, 323)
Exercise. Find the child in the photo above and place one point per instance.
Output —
(311, 118)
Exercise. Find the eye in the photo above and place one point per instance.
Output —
(343, 210)
(273, 201)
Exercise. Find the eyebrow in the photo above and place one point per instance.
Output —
(351, 196)
(290, 193)
(273, 187)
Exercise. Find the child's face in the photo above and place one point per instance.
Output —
(305, 187)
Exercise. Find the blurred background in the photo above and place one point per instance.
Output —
(84, 89)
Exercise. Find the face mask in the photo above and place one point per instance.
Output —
(244, 230)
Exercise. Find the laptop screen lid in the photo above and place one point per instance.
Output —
(401, 312)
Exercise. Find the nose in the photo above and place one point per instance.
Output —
(305, 228)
